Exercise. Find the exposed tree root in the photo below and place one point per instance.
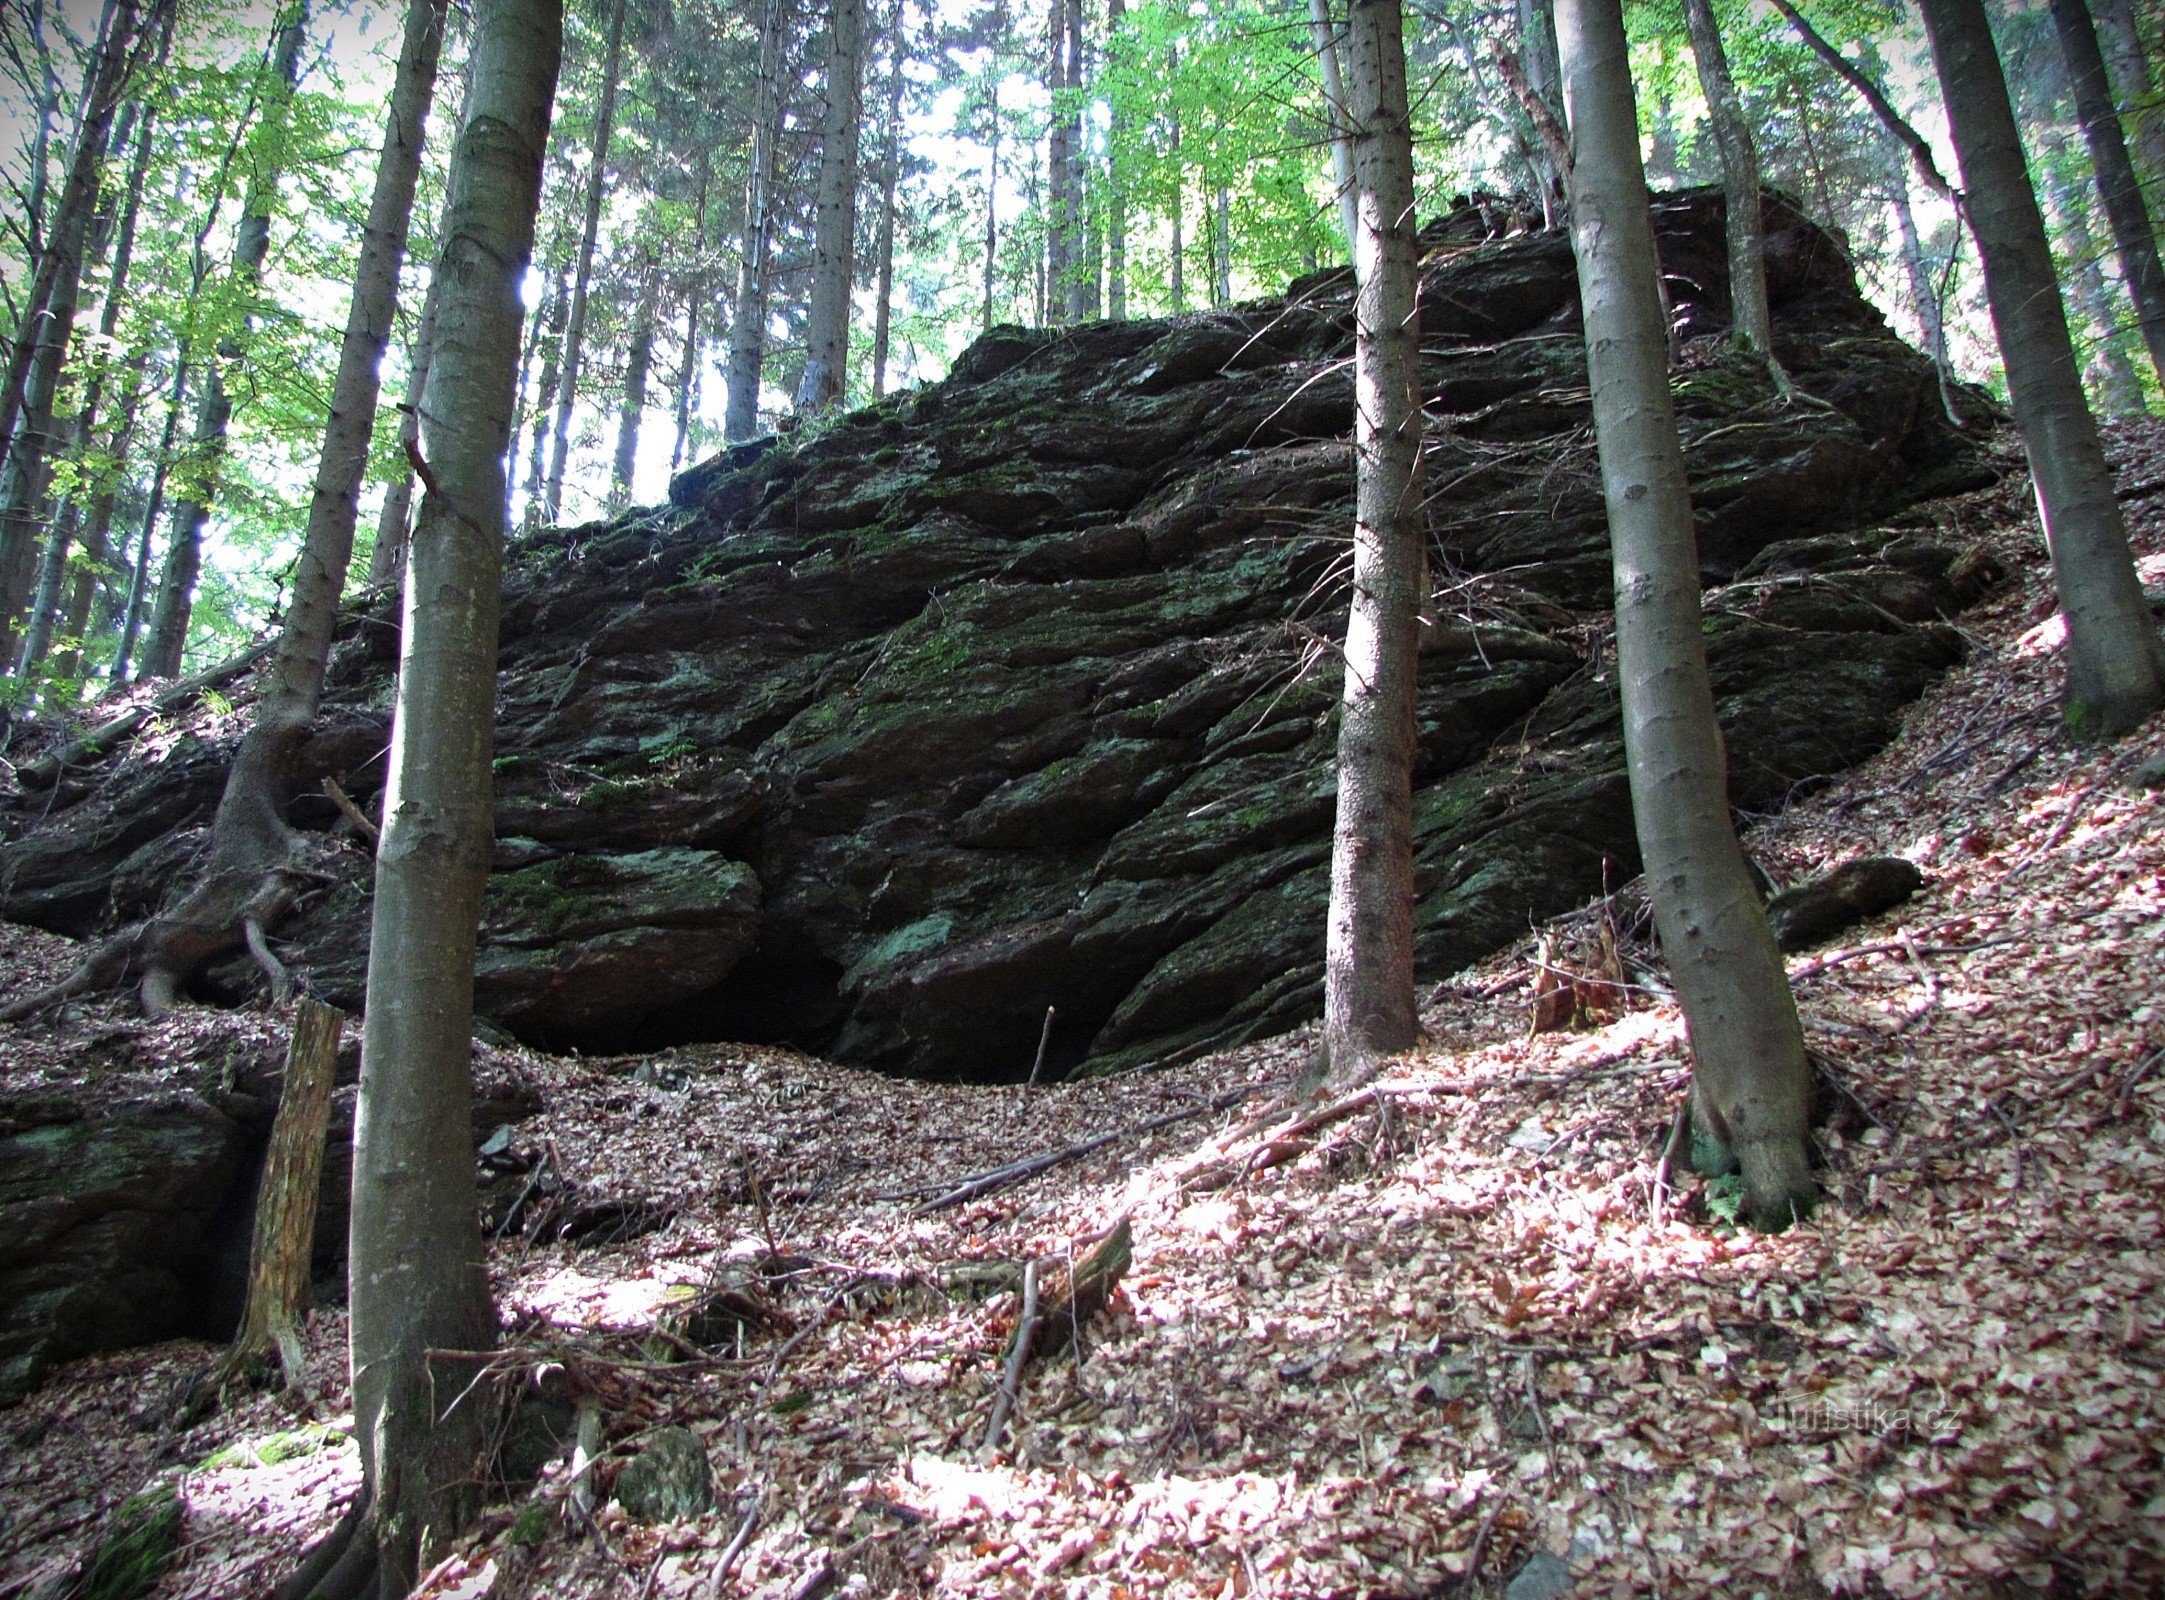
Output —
(343, 1565)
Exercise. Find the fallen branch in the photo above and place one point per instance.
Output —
(1031, 1166)
(1018, 1356)
(1079, 1293)
(353, 813)
(99, 741)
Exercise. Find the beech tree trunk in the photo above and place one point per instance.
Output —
(1172, 156)
(1221, 249)
(1079, 289)
(131, 622)
(417, 1282)
(1324, 33)
(1544, 76)
(1116, 193)
(1751, 322)
(394, 519)
(826, 325)
(748, 321)
(41, 346)
(2115, 660)
(597, 182)
(2136, 88)
(166, 639)
(1751, 1080)
(1368, 1000)
(638, 365)
(2133, 238)
(285, 1225)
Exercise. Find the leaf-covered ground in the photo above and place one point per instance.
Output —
(1454, 1340)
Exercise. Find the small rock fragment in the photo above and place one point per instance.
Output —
(669, 1480)
(1853, 891)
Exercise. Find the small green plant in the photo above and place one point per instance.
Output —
(1725, 1198)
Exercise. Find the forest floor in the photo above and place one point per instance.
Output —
(1450, 1342)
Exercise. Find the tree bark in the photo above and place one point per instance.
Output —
(826, 329)
(695, 293)
(1116, 191)
(2136, 88)
(2115, 660)
(394, 520)
(131, 622)
(1544, 77)
(49, 323)
(1751, 1082)
(552, 346)
(992, 198)
(417, 1282)
(2110, 371)
(2133, 238)
(1323, 32)
(748, 321)
(1751, 322)
(165, 641)
(1368, 1000)
(1924, 289)
(1079, 295)
(1059, 222)
(1920, 151)
(285, 1225)
(597, 182)
(1221, 249)
(1179, 285)
(883, 249)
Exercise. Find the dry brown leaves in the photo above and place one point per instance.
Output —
(1445, 1329)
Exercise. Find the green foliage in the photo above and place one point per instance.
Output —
(138, 1547)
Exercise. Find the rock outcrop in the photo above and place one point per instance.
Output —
(1017, 690)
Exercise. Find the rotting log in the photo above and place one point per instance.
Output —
(286, 1200)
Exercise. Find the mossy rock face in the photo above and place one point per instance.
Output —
(669, 1480)
(137, 1549)
(1020, 689)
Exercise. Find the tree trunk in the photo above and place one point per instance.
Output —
(597, 182)
(883, 249)
(394, 521)
(417, 1281)
(826, 327)
(2136, 88)
(2132, 235)
(1368, 1001)
(2111, 375)
(638, 365)
(1544, 76)
(1920, 151)
(166, 639)
(1080, 296)
(131, 622)
(1751, 322)
(748, 321)
(1324, 33)
(552, 346)
(2115, 660)
(1924, 289)
(992, 200)
(1172, 160)
(49, 323)
(695, 293)
(1221, 250)
(1059, 223)
(1752, 1082)
(1116, 190)
(285, 1225)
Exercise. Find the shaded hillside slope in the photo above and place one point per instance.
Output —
(1426, 1353)
(1017, 691)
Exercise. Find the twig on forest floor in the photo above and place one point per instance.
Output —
(353, 813)
(1665, 1169)
(1037, 1067)
(1030, 1166)
(738, 1540)
(1018, 1355)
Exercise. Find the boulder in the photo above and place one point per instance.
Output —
(669, 1480)
(1812, 912)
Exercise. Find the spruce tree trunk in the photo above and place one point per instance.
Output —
(285, 1222)
(1751, 323)
(597, 181)
(1751, 1080)
(2115, 660)
(166, 639)
(883, 249)
(417, 1281)
(748, 320)
(826, 324)
(695, 293)
(638, 365)
(1368, 1000)
(2132, 235)
(49, 322)
(1323, 32)
(1116, 195)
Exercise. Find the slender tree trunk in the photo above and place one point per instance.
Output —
(1079, 295)
(1751, 322)
(1059, 222)
(748, 321)
(2115, 660)
(166, 639)
(1221, 288)
(826, 327)
(884, 245)
(1920, 150)
(638, 364)
(1544, 77)
(1324, 33)
(394, 520)
(284, 1235)
(417, 1281)
(49, 322)
(41, 143)
(694, 295)
(131, 622)
(2132, 235)
(2109, 374)
(1172, 160)
(1116, 185)
(552, 494)
(1752, 1082)
(1368, 1000)
(552, 345)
